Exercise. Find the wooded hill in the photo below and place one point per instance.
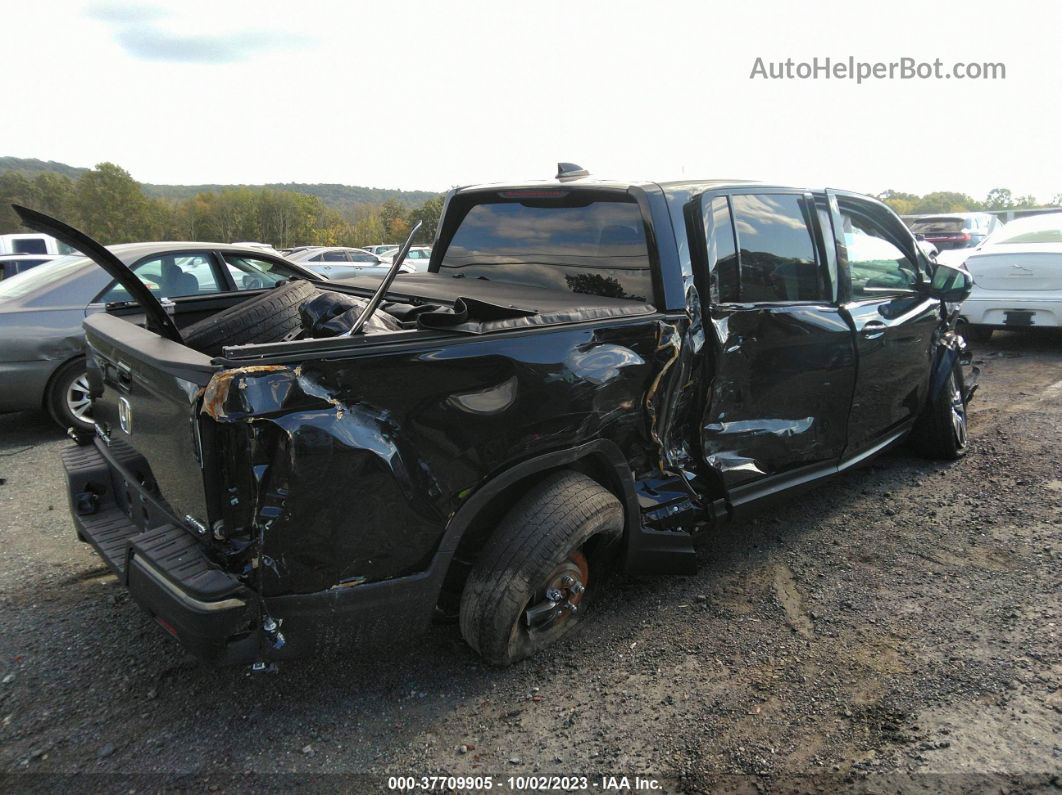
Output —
(333, 195)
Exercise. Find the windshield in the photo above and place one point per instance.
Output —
(41, 276)
(575, 244)
(1045, 228)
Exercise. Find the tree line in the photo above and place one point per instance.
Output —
(112, 207)
(952, 202)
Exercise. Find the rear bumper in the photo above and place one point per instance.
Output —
(210, 611)
(165, 569)
(996, 311)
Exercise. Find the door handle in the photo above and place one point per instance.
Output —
(874, 329)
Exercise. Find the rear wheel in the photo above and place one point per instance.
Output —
(536, 574)
(941, 431)
(68, 399)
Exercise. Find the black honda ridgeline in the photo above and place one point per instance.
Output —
(590, 375)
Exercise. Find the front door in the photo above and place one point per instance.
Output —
(783, 364)
(894, 320)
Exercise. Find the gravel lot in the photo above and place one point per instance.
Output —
(902, 619)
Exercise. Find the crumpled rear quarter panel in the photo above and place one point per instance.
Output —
(357, 464)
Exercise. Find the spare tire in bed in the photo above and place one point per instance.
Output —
(269, 317)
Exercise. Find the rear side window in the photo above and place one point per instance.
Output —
(568, 242)
(169, 276)
(252, 273)
(777, 255)
(336, 256)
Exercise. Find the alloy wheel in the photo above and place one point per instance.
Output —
(78, 399)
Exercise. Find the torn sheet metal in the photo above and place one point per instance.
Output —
(358, 463)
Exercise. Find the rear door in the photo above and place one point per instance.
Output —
(783, 369)
(894, 320)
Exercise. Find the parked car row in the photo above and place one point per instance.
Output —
(381, 248)
(42, 359)
(954, 230)
(1017, 274)
(1016, 267)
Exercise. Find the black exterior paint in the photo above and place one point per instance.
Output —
(326, 482)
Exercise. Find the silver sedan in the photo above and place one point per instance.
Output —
(42, 361)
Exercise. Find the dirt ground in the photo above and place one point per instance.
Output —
(896, 629)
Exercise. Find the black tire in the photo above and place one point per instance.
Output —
(941, 432)
(976, 333)
(563, 525)
(67, 399)
(268, 317)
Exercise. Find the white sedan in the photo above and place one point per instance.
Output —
(1017, 278)
(418, 258)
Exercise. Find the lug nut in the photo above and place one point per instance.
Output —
(554, 595)
(567, 580)
(577, 588)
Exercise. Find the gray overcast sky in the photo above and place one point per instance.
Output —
(432, 94)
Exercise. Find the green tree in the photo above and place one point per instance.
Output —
(999, 199)
(54, 194)
(15, 188)
(946, 202)
(110, 205)
(368, 227)
(393, 216)
(901, 203)
(428, 213)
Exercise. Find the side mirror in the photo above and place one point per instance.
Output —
(951, 284)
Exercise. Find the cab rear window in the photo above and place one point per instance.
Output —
(563, 241)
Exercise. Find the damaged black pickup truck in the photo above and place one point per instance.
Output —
(590, 375)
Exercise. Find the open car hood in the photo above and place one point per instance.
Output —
(158, 320)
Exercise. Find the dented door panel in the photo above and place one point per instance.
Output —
(780, 390)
